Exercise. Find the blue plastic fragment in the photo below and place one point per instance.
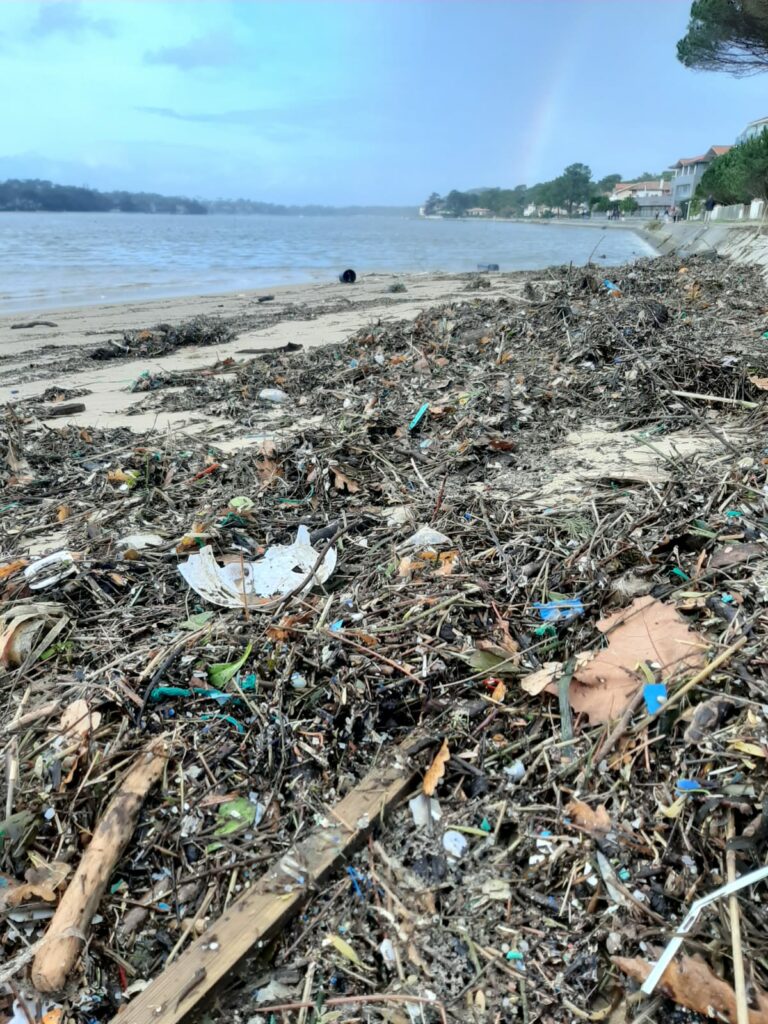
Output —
(560, 611)
(419, 416)
(513, 954)
(353, 364)
(355, 878)
(624, 875)
(727, 598)
(337, 626)
(485, 825)
(733, 514)
(654, 694)
(688, 785)
(165, 907)
(610, 286)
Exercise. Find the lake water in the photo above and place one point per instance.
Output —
(50, 260)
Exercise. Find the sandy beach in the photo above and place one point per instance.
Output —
(34, 360)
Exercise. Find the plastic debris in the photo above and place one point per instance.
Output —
(654, 695)
(282, 570)
(426, 537)
(419, 416)
(455, 844)
(274, 395)
(562, 610)
(49, 570)
(424, 810)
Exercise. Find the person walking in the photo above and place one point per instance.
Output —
(709, 206)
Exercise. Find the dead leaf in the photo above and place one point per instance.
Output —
(63, 513)
(448, 561)
(346, 951)
(499, 691)
(12, 567)
(78, 721)
(734, 554)
(343, 482)
(604, 683)
(692, 983)
(86, 437)
(761, 383)
(535, 682)
(436, 770)
(499, 444)
(595, 820)
(707, 717)
(42, 882)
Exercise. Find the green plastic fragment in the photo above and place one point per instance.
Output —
(680, 573)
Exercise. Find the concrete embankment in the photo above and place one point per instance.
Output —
(743, 242)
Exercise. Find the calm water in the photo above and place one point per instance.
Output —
(67, 259)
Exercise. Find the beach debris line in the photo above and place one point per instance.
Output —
(152, 342)
(558, 510)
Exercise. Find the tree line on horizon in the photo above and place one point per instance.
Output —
(570, 190)
(36, 196)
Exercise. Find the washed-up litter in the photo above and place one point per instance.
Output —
(284, 569)
(554, 595)
(51, 569)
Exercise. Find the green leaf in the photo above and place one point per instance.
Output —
(220, 673)
(484, 661)
(196, 621)
(241, 503)
(235, 815)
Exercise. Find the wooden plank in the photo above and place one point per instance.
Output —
(277, 895)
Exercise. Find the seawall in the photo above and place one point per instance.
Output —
(743, 242)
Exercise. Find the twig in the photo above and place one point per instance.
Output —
(739, 982)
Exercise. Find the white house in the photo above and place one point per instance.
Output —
(654, 189)
(688, 172)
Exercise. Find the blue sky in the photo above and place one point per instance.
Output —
(352, 102)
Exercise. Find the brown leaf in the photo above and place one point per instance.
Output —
(647, 630)
(63, 513)
(12, 567)
(760, 382)
(78, 721)
(692, 983)
(595, 820)
(343, 482)
(499, 691)
(436, 770)
(42, 882)
(500, 444)
(538, 681)
(448, 563)
(734, 554)
(86, 437)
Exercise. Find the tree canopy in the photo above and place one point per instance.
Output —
(726, 35)
(740, 175)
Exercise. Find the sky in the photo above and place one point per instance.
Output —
(354, 102)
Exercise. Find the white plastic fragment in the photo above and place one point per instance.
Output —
(273, 395)
(424, 809)
(387, 951)
(689, 921)
(283, 569)
(49, 570)
(455, 844)
(426, 537)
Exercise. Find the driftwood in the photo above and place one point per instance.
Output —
(66, 409)
(278, 894)
(67, 931)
